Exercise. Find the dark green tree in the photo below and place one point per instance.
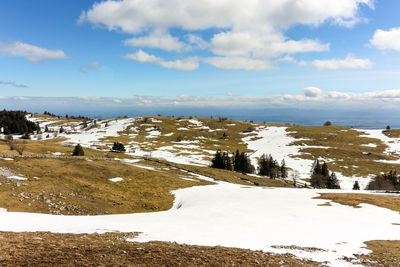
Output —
(118, 147)
(78, 151)
(283, 169)
(333, 182)
(356, 186)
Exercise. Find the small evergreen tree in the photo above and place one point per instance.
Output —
(356, 186)
(78, 151)
(217, 161)
(333, 182)
(46, 129)
(61, 129)
(118, 147)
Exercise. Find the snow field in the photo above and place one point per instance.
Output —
(237, 216)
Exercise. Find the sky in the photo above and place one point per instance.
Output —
(255, 53)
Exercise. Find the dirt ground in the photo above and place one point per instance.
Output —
(111, 249)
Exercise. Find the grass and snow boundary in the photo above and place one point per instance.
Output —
(268, 219)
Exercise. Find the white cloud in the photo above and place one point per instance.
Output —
(161, 41)
(238, 63)
(386, 39)
(389, 99)
(244, 29)
(187, 64)
(312, 91)
(91, 66)
(350, 62)
(31, 52)
(197, 41)
(143, 57)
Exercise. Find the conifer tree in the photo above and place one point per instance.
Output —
(356, 186)
(217, 162)
(332, 182)
(283, 169)
(78, 151)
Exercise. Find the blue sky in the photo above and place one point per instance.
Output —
(78, 49)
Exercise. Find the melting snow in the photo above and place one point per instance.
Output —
(116, 179)
(236, 216)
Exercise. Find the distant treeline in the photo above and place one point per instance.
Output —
(79, 117)
(15, 122)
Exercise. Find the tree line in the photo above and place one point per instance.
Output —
(240, 162)
(15, 122)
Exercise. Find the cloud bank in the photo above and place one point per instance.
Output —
(310, 98)
(248, 35)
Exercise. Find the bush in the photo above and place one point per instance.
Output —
(78, 151)
(327, 123)
(118, 147)
(388, 181)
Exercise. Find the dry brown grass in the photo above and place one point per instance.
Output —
(354, 200)
(51, 146)
(236, 177)
(385, 253)
(111, 249)
(83, 187)
(393, 133)
(345, 147)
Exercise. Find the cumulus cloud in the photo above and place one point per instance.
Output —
(252, 30)
(350, 62)
(31, 52)
(312, 91)
(91, 66)
(386, 39)
(238, 63)
(13, 84)
(161, 41)
(143, 57)
(187, 64)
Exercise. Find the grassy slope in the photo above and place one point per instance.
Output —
(345, 147)
(354, 200)
(82, 187)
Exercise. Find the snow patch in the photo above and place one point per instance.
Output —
(116, 179)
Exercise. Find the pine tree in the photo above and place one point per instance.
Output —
(46, 129)
(332, 182)
(236, 162)
(78, 151)
(324, 170)
(356, 186)
(61, 129)
(263, 167)
(227, 162)
(283, 169)
(217, 161)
